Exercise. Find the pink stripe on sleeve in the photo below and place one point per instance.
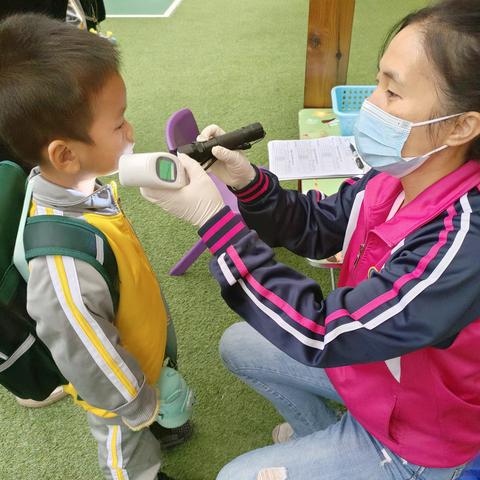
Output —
(215, 228)
(272, 297)
(228, 236)
(242, 269)
(419, 270)
(254, 187)
(255, 195)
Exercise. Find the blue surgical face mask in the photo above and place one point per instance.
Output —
(380, 137)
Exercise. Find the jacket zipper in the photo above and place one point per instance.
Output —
(359, 254)
(362, 245)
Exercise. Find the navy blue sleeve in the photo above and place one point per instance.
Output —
(427, 291)
(310, 225)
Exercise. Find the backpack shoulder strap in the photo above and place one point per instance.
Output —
(19, 250)
(66, 236)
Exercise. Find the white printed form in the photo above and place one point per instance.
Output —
(316, 158)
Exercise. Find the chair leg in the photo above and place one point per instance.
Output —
(181, 267)
(332, 278)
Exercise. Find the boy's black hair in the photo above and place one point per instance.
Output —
(50, 73)
(451, 39)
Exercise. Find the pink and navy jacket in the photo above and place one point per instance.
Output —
(400, 336)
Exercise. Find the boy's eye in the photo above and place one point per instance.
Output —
(121, 125)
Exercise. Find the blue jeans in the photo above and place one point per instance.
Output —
(324, 447)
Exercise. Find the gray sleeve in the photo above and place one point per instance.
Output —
(72, 306)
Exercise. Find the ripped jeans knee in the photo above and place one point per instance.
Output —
(272, 473)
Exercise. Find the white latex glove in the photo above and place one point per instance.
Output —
(196, 202)
(232, 167)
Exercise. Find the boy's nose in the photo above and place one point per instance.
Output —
(130, 133)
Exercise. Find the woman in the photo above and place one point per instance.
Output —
(397, 341)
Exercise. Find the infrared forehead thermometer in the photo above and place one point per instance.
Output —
(151, 170)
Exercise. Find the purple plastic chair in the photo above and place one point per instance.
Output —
(181, 129)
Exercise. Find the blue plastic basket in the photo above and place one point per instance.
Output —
(346, 103)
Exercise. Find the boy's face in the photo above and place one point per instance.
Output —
(110, 132)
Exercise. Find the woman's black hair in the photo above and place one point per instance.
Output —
(451, 39)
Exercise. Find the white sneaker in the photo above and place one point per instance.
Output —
(56, 395)
(282, 433)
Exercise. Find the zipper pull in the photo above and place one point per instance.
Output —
(359, 254)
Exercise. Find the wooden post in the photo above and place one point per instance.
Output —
(328, 47)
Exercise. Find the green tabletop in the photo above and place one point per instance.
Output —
(317, 123)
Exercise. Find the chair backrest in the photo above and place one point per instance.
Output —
(181, 128)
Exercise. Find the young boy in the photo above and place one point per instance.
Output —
(62, 104)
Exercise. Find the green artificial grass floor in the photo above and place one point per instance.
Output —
(232, 63)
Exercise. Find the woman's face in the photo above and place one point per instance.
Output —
(407, 89)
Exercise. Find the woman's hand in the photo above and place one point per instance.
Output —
(196, 202)
(232, 167)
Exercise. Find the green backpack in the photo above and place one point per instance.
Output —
(26, 366)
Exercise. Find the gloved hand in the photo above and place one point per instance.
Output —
(232, 167)
(196, 202)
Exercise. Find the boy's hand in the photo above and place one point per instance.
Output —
(233, 168)
(196, 202)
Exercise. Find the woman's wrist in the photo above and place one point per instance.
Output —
(255, 190)
(248, 181)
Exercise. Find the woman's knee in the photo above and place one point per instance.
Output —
(242, 347)
(227, 473)
(240, 469)
(261, 464)
(231, 351)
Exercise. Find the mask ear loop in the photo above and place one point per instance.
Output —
(436, 150)
(435, 120)
(429, 122)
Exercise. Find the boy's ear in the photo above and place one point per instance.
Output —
(62, 157)
(467, 128)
